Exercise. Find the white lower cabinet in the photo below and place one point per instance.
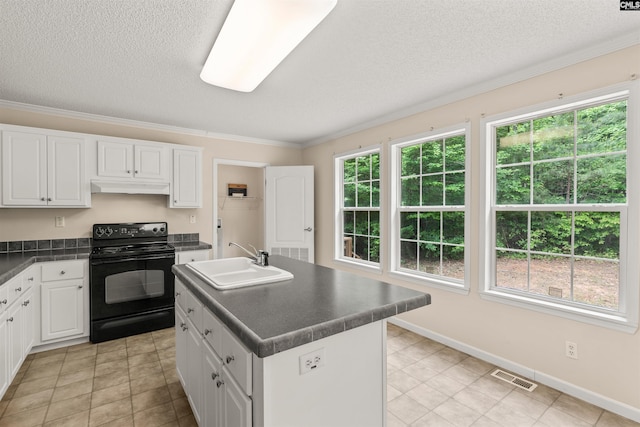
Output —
(4, 355)
(18, 320)
(208, 357)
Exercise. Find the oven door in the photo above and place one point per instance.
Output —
(121, 287)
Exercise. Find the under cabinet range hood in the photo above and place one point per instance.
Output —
(128, 187)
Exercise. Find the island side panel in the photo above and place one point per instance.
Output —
(347, 390)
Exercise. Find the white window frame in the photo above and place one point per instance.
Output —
(417, 277)
(338, 173)
(626, 318)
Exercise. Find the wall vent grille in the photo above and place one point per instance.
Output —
(301, 254)
(517, 381)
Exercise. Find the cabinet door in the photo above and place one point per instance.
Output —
(27, 322)
(4, 354)
(24, 169)
(62, 309)
(149, 162)
(115, 159)
(66, 172)
(237, 410)
(194, 371)
(187, 179)
(212, 391)
(181, 346)
(14, 338)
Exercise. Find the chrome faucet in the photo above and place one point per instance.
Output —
(260, 257)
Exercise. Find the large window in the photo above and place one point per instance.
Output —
(429, 233)
(358, 207)
(560, 196)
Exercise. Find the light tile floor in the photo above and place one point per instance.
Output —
(132, 382)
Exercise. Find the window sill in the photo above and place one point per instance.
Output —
(583, 315)
(369, 267)
(431, 282)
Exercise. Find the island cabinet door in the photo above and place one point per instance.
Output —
(237, 410)
(181, 345)
(194, 378)
(212, 389)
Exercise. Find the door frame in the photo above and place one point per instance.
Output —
(228, 162)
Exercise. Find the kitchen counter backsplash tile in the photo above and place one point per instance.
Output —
(39, 245)
(189, 237)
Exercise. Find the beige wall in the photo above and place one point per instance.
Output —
(609, 362)
(33, 224)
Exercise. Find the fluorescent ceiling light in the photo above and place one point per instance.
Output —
(256, 36)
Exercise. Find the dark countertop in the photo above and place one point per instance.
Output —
(13, 263)
(316, 303)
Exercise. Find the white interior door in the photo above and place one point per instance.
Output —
(289, 227)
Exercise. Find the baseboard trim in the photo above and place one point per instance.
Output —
(589, 396)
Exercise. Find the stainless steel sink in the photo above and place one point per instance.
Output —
(239, 272)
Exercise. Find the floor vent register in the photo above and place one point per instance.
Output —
(517, 381)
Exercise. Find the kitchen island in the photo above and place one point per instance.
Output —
(307, 351)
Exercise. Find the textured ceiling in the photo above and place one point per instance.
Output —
(370, 59)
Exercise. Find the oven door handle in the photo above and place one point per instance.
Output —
(136, 258)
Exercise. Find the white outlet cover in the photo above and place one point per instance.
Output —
(312, 361)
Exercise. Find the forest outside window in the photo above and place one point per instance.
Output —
(431, 211)
(560, 195)
(358, 212)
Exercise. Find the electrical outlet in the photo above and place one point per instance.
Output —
(311, 361)
(192, 219)
(571, 349)
(59, 221)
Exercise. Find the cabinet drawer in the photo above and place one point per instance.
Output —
(4, 302)
(191, 256)
(62, 270)
(13, 289)
(181, 295)
(194, 310)
(238, 360)
(212, 330)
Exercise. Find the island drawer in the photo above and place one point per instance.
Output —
(194, 310)
(238, 360)
(181, 295)
(212, 331)
(62, 270)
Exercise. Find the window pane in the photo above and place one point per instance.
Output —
(362, 223)
(409, 255)
(597, 234)
(410, 191)
(364, 168)
(551, 232)
(375, 194)
(364, 195)
(374, 223)
(453, 227)
(432, 157)
(429, 258)
(512, 185)
(512, 270)
(349, 170)
(511, 230)
(553, 137)
(432, 190)
(361, 247)
(553, 182)
(603, 128)
(551, 276)
(409, 225)
(597, 282)
(349, 222)
(430, 226)
(410, 160)
(375, 166)
(453, 261)
(602, 179)
(454, 190)
(513, 143)
(349, 195)
(374, 248)
(454, 153)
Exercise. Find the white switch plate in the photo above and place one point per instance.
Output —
(59, 221)
(192, 219)
(311, 361)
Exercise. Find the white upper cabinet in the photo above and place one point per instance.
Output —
(43, 170)
(131, 160)
(186, 191)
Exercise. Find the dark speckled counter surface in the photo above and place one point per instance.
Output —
(316, 303)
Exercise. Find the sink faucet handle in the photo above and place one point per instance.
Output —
(257, 252)
(263, 258)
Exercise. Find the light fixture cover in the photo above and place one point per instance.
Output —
(256, 36)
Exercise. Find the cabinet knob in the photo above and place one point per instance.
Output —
(4, 301)
(214, 375)
(10, 319)
(207, 331)
(62, 272)
(230, 359)
(135, 171)
(48, 199)
(219, 383)
(42, 199)
(190, 310)
(19, 289)
(26, 303)
(129, 172)
(80, 287)
(177, 294)
(30, 279)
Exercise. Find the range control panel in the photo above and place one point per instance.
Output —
(129, 230)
